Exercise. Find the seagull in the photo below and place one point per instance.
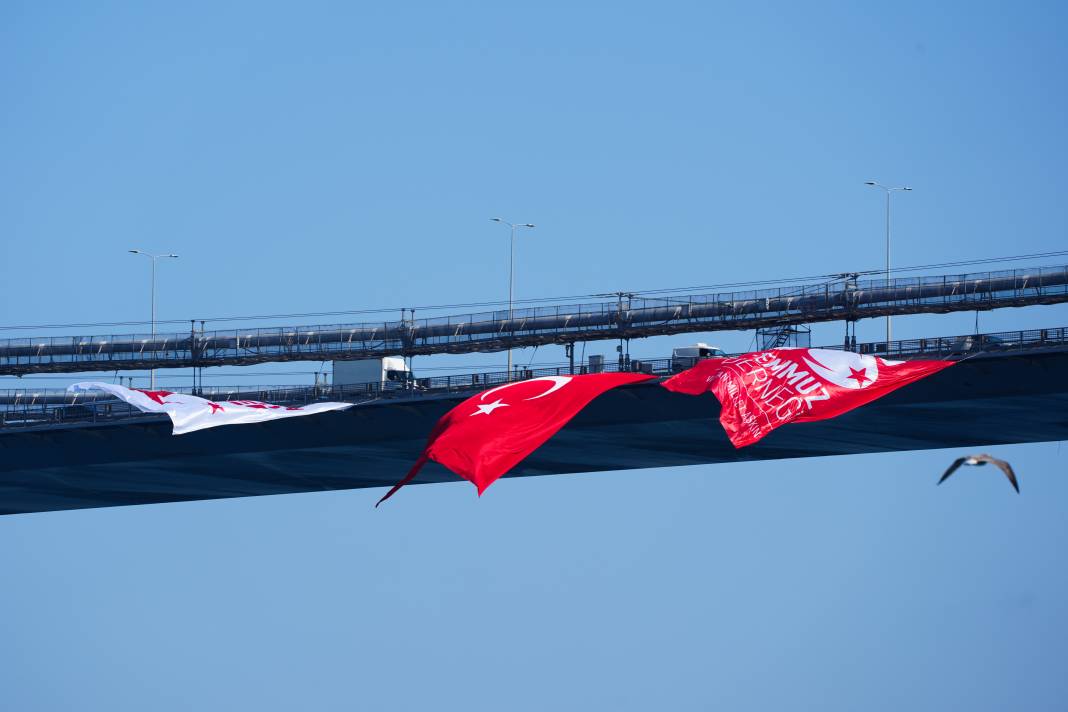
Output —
(982, 460)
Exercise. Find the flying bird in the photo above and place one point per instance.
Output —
(982, 460)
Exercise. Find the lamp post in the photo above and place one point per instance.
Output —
(511, 278)
(888, 191)
(152, 378)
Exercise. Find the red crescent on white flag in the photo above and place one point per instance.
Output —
(843, 368)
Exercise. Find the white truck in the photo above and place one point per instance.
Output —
(685, 357)
(388, 373)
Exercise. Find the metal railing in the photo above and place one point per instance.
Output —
(36, 407)
(625, 317)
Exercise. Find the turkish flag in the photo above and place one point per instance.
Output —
(490, 433)
(763, 390)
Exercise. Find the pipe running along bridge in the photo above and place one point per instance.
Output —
(628, 316)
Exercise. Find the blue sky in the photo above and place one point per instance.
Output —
(344, 156)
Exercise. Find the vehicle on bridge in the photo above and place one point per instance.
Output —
(387, 373)
(978, 342)
(684, 357)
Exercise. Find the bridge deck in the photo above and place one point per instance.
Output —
(989, 400)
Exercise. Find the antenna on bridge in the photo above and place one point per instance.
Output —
(850, 279)
(624, 342)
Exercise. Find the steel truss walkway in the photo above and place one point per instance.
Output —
(624, 318)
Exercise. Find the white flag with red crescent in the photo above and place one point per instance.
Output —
(763, 390)
(190, 413)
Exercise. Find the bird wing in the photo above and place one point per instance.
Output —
(1007, 469)
(952, 468)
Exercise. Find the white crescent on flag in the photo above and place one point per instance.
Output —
(557, 381)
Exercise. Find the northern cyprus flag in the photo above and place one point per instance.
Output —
(189, 413)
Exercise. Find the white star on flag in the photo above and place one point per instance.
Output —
(488, 408)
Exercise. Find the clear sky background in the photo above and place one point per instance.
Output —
(345, 156)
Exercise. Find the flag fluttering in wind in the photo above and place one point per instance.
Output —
(189, 413)
(490, 433)
(763, 390)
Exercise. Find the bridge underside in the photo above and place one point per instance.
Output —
(983, 401)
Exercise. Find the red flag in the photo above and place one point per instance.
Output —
(490, 433)
(761, 391)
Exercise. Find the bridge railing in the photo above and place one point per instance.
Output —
(34, 407)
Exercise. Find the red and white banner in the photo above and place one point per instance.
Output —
(189, 413)
(763, 390)
(490, 433)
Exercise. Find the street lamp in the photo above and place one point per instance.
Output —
(511, 278)
(888, 190)
(153, 258)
